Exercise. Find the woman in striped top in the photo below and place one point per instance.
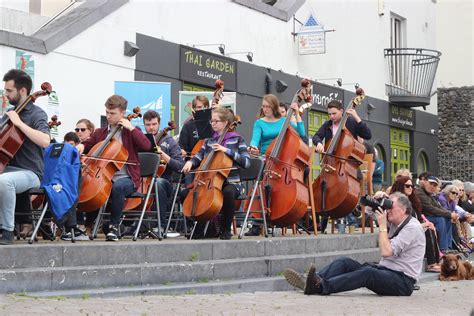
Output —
(234, 146)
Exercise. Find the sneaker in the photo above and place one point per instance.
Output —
(313, 282)
(254, 231)
(7, 238)
(112, 235)
(294, 278)
(78, 235)
(226, 235)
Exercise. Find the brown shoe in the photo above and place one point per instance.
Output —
(26, 231)
(294, 278)
(313, 282)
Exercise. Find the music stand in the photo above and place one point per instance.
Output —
(202, 118)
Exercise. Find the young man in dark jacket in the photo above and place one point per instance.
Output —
(170, 153)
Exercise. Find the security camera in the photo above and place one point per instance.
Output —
(433, 131)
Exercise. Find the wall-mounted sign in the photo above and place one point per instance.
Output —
(311, 37)
(205, 68)
(402, 117)
(323, 94)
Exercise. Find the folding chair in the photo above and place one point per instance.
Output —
(176, 210)
(253, 174)
(149, 163)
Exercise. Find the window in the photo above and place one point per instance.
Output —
(315, 120)
(422, 163)
(397, 40)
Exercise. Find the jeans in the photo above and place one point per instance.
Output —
(120, 189)
(345, 274)
(445, 231)
(165, 189)
(12, 181)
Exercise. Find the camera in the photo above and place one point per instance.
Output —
(384, 203)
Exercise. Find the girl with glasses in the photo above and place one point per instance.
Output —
(233, 145)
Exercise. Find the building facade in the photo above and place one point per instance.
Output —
(81, 52)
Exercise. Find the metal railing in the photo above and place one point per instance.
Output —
(411, 74)
(456, 166)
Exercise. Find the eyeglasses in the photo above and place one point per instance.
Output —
(215, 121)
(80, 129)
(455, 193)
(409, 186)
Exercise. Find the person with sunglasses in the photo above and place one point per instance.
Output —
(434, 212)
(449, 197)
(404, 184)
(84, 129)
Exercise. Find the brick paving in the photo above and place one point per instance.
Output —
(434, 298)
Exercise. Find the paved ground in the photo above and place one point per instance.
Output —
(434, 298)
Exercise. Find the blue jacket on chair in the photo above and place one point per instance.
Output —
(61, 178)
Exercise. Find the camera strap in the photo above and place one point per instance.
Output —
(403, 224)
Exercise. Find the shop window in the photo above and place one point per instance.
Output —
(422, 163)
(315, 120)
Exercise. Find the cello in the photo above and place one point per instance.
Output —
(337, 188)
(204, 200)
(104, 160)
(11, 138)
(286, 196)
(134, 203)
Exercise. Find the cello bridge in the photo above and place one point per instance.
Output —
(328, 168)
(273, 174)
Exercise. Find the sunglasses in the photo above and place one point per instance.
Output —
(80, 129)
(455, 193)
(409, 186)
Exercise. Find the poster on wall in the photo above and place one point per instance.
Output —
(5, 104)
(148, 96)
(186, 99)
(24, 61)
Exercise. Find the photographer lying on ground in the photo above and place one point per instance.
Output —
(402, 253)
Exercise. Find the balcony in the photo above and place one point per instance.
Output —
(411, 75)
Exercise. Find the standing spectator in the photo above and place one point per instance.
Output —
(377, 177)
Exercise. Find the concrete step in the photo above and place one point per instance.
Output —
(95, 253)
(60, 278)
(266, 284)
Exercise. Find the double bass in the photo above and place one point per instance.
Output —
(286, 196)
(104, 160)
(204, 201)
(337, 188)
(11, 138)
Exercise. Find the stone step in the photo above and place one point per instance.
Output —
(94, 253)
(250, 285)
(59, 278)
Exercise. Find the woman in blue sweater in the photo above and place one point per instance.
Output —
(234, 146)
(269, 124)
(266, 129)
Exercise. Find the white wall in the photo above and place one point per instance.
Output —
(83, 70)
(455, 38)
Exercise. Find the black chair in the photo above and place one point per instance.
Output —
(253, 177)
(176, 211)
(149, 163)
